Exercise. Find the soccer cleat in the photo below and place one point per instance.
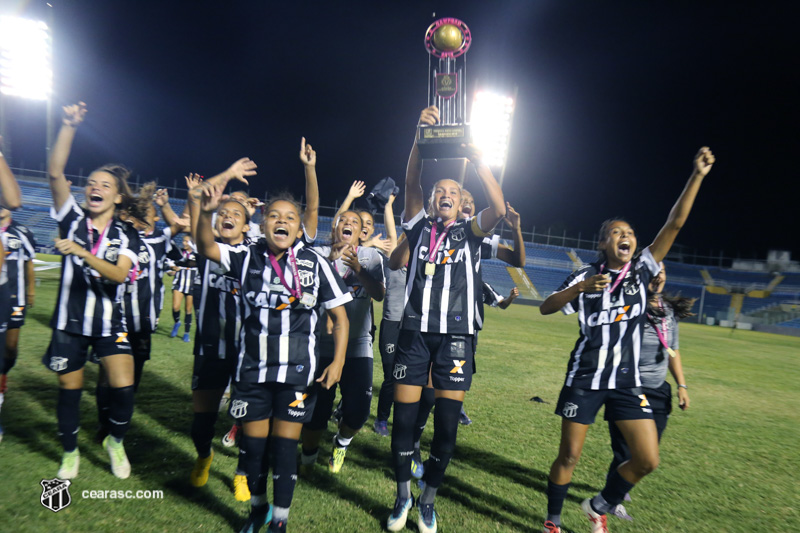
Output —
(240, 489)
(381, 428)
(257, 522)
(399, 516)
(175, 329)
(427, 518)
(417, 467)
(598, 521)
(186, 338)
(550, 527)
(337, 458)
(277, 527)
(463, 419)
(70, 462)
(620, 512)
(120, 466)
(230, 438)
(199, 475)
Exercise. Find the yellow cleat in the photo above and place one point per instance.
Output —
(337, 459)
(199, 475)
(240, 489)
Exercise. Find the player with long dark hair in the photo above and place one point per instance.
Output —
(660, 352)
(99, 251)
(283, 286)
(610, 297)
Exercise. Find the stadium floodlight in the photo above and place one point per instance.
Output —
(25, 58)
(492, 116)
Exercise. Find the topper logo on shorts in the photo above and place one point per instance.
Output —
(617, 314)
(458, 366)
(570, 410)
(122, 337)
(55, 494)
(17, 311)
(58, 364)
(298, 402)
(390, 348)
(238, 408)
(399, 371)
(644, 404)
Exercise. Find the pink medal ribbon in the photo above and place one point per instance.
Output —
(662, 331)
(296, 292)
(90, 228)
(620, 277)
(436, 243)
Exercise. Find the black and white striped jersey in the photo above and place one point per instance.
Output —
(278, 342)
(186, 276)
(20, 247)
(144, 290)
(219, 320)
(606, 355)
(87, 303)
(446, 301)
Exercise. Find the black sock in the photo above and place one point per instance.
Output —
(402, 439)
(445, 429)
(426, 402)
(556, 494)
(614, 492)
(188, 318)
(203, 432)
(68, 412)
(103, 395)
(121, 411)
(176, 316)
(254, 450)
(7, 363)
(284, 470)
(138, 368)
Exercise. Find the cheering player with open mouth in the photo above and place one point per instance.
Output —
(441, 301)
(610, 297)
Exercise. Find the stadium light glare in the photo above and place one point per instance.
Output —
(25, 58)
(492, 116)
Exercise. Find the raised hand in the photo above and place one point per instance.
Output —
(161, 198)
(703, 161)
(307, 154)
(472, 152)
(212, 196)
(380, 243)
(429, 116)
(193, 180)
(512, 217)
(242, 168)
(357, 189)
(337, 249)
(73, 114)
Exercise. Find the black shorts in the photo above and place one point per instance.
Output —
(212, 371)
(450, 359)
(260, 401)
(660, 400)
(581, 405)
(67, 352)
(140, 345)
(356, 386)
(17, 318)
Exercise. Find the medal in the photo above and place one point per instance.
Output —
(671, 352)
(430, 266)
(308, 300)
(430, 269)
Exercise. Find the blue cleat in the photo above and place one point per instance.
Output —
(427, 518)
(397, 520)
(257, 522)
(175, 329)
(186, 337)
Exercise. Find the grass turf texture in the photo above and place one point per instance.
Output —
(727, 465)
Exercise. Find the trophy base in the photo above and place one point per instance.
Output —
(443, 142)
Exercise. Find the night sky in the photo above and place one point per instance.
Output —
(614, 100)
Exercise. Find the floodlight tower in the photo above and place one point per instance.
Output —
(492, 118)
(25, 64)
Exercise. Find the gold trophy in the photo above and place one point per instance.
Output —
(447, 40)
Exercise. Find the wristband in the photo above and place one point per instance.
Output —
(683, 387)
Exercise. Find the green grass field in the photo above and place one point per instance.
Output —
(727, 465)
